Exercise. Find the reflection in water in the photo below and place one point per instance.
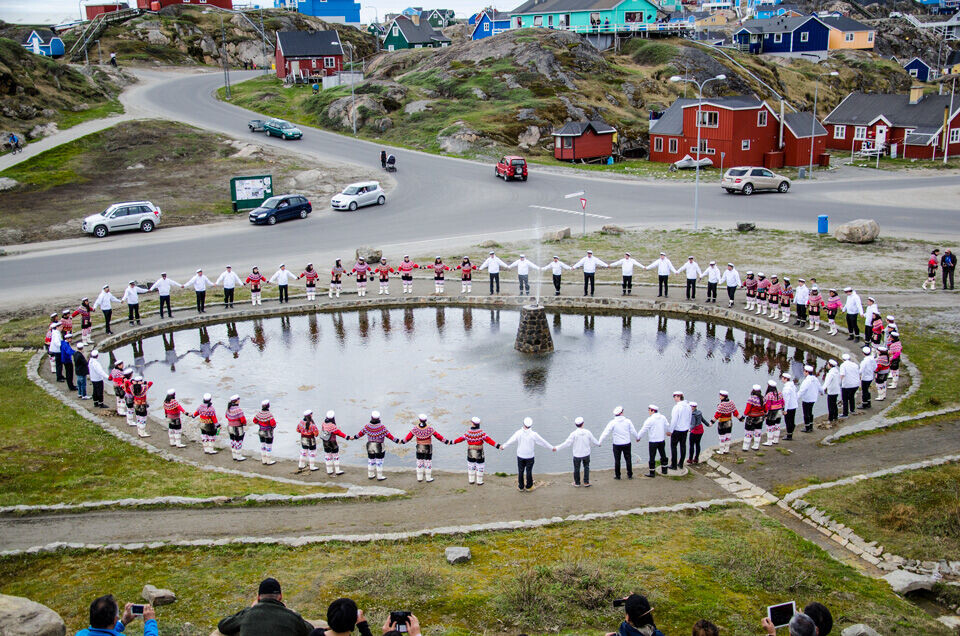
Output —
(408, 322)
(385, 320)
(441, 320)
(258, 338)
(338, 329)
(170, 350)
(557, 322)
(363, 323)
(313, 328)
(535, 380)
(467, 319)
(626, 324)
(286, 337)
(494, 320)
(233, 339)
(662, 339)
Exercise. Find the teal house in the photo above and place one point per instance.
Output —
(590, 16)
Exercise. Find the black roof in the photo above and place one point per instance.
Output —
(555, 6)
(421, 33)
(953, 58)
(845, 24)
(799, 124)
(45, 35)
(577, 128)
(862, 109)
(780, 24)
(294, 44)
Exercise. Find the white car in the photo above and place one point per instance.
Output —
(132, 215)
(357, 195)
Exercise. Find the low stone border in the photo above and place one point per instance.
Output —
(366, 538)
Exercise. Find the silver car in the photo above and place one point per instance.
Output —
(750, 179)
(133, 215)
(357, 195)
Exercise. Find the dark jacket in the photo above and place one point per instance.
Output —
(362, 627)
(266, 618)
(626, 629)
(80, 364)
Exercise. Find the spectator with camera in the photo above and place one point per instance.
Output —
(343, 616)
(638, 617)
(105, 618)
(267, 615)
(800, 625)
(401, 624)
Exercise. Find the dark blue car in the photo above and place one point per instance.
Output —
(281, 208)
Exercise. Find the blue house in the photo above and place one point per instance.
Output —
(342, 11)
(920, 70)
(766, 11)
(805, 34)
(490, 22)
(44, 42)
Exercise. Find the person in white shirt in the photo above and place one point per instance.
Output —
(800, 296)
(849, 383)
(493, 265)
(556, 267)
(868, 371)
(622, 431)
(679, 428)
(527, 440)
(868, 313)
(731, 278)
(853, 308)
(97, 377)
(655, 427)
(104, 302)
(693, 271)
(791, 401)
(53, 350)
(163, 287)
(831, 386)
(808, 393)
(627, 263)
(200, 283)
(713, 275)
(228, 280)
(282, 278)
(664, 268)
(523, 272)
(580, 439)
(131, 296)
(589, 263)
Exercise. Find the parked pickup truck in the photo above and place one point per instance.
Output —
(255, 125)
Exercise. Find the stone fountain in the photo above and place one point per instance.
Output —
(533, 334)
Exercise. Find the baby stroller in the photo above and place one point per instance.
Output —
(391, 165)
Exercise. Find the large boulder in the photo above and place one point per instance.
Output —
(22, 617)
(307, 179)
(857, 231)
(528, 137)
(7, 184)
(157, 596)
(456, 555)
(360, 108)
(904, 581)
(369, 254)
(418, 106)
(556, 235)
(859, 630)
(458, 138)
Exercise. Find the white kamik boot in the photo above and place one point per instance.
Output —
(420, 472)
(756, 440)
(380, 476)
(371, 469)
(428, 472)
(336, 465)
(179, 440)
(328, 463)
(471, 474)
(746, 441)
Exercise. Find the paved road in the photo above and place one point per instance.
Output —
(450, 201)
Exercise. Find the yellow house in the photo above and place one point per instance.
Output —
(847, 33)
(953, 64)
(720, 17)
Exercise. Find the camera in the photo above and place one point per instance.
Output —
(136, 610)
(401, 619)
(620, 602)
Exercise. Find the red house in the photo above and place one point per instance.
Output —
(911, 125)
(734, 131)
(583, 140)
(156, 5)
(94, 9)
(797, 128)
(308, 53)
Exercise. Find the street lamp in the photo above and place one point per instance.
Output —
(699, 85)
(226, 62)
(813, 120)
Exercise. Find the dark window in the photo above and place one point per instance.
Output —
(737, 172)
(757, 173)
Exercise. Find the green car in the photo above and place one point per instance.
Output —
(282, 129)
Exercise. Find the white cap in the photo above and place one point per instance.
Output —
(133, 282)
(848, 289)
(589, 251)
(689, 258)
(528, 422)
(491, 251)
(773, 276)
(725, 393)
(756, 387)
(375, 415)
(422, 417)
(228, 267)
(653, 407)
(832, 363)
(731, 265)
(786, 376)
(307, 412)
(895, 334)
(676, 393)
(693, 404)
(871, 299)
(128, 371)
(138, 378)
(618, 410)
(808, 368)
(207, 397)
(234, 397)
(95, 353)
(866, 351)
(890, 318)
(578, 421)
(845, 356)
(171, 392)
(106, 286)
(163, 273)
(475, 420)
(663, 253)
(68, 335)
(522, 256)
(713, 262)
(79, 345)
(264, 403)
(199, 270)
(331, 415)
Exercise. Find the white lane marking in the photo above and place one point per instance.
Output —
(577, 212)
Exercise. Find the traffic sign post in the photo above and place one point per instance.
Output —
(583, 205)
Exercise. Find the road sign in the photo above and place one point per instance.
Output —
(249, 192)
(583, 203)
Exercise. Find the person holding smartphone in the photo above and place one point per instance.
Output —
(401, 624)
(800, 625)
(105, 618)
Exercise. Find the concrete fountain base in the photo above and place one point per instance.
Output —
(533, 334)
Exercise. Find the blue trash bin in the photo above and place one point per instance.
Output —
(822, 224)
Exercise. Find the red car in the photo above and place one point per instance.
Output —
(511, 167)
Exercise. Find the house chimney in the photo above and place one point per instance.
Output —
(916, 94)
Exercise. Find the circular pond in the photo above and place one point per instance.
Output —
(453, 363)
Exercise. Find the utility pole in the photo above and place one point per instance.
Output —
(223, 57)
(813, 120)
(946, 128)
(263, 35)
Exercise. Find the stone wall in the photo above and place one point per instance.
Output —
(533, 334)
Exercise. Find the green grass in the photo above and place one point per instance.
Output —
(900, 163)
(49, 454)
(69, 119)
(928, 341)
(725, 565)
(915, 514)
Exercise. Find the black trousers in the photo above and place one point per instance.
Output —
(585, 462)
(833, 407)
(695, 446)
(849, 398)
(731, 291)
(165, 300)
(947, 273)
(588, 279)
(807, 414)
(494, 278)
(284, 293)
(58, 362)
(657, 447)
(228, 296)
(68, 375)
(678, 446)
(853, 327)
(107, 316)
(712, 291)
(790, 420)
(133, 312)
(865, 392)
(622, 451)
(98, 392)
(525, 466)
(201, 301)
(691, 288)
(627, 284)
(556, 284)
(801, 312)
(662, 284)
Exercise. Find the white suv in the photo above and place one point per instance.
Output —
(357, 195)
(133, 215)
